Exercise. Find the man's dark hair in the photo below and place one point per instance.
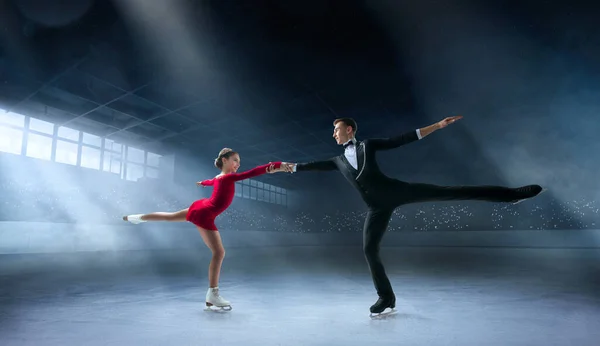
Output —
(348, 122)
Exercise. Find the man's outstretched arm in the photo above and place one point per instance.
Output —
(409, 137)
(325, 165)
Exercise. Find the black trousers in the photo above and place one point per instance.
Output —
(378, 217)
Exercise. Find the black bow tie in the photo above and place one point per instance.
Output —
(351, 143)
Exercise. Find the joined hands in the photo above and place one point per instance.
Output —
(285, 167)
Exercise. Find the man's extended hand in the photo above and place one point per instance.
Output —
(448, 121)
(288, 167)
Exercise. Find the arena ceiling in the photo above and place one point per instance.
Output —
(270, 81)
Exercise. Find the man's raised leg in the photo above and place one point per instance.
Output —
(418, 192)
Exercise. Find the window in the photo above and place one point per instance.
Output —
(251, 189)
(41, 126)
(41, 137)
(153, 159)
(39, 147)
(238, 189)
(66, 152)
(9, 118)
(109, 144)
(134, 172)
(11, 140)
(135, 155)
(68, 133)
(90, 139)
(90, 157)
(112, 163)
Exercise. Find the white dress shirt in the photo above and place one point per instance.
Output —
(350, 153)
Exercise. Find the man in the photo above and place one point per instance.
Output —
(383, 194)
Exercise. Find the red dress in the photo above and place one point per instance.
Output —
(203, 212)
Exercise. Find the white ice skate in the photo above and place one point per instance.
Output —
(134, 219)
(214, 299)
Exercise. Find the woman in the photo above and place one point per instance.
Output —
(203, 212)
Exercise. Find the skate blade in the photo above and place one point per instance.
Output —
(212, 307)
(524, 199)
(382, 315)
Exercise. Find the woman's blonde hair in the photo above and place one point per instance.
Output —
(224, 153)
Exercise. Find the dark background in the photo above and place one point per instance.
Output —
(183, 79)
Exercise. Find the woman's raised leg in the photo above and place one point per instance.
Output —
(178, 216)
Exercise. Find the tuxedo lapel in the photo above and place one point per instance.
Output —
(360, 155)
(361, 158)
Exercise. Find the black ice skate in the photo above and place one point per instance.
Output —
(528, 191)
(382, 304)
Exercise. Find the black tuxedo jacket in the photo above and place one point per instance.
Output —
(376, 189)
